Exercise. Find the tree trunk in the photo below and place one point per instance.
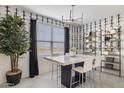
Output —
(14, 63)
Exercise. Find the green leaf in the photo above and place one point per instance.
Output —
(14, 39)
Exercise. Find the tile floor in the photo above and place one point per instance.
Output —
(45, 81)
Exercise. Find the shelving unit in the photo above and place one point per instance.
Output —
(100, 38)
(100, 29)
(86, 40)
(95, 37)
(111, 46)
(90, 39)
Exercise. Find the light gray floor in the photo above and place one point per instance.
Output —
(44, 81)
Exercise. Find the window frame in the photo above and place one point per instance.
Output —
(51, 41)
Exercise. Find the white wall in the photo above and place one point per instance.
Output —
(44, 66)
(4, 66)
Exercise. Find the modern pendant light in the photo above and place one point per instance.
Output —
(72, 19)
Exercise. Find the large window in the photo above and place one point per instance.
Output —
(58, 34)
(58, 41)
(43, 32)
(50, 40)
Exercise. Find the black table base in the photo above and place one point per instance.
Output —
(66, 75)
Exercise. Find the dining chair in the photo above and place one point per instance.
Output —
(58, 69)
(87, 67)
(97, 64)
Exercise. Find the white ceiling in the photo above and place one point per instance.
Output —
(90, 12)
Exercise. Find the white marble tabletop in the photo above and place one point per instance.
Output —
(66, 60)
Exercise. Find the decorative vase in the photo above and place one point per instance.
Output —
(72, 54)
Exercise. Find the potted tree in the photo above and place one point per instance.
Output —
(14, 41)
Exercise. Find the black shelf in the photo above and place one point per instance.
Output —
(112, 40)
(104, 61)
(114, 69)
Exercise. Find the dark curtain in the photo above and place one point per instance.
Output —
(66, 30)
(33, 61)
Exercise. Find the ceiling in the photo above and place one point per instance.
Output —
(90, 12)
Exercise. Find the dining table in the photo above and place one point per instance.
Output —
(67, 62)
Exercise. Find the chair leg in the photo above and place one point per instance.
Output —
(82, 80)
(93, 77)
(71, 79)
(79, 79)
(90, 79)
(59, 71)
(52, 72)
(57, 74)
(100, 78)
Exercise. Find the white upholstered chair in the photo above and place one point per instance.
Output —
(87, 67)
